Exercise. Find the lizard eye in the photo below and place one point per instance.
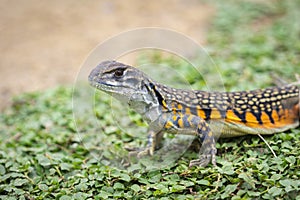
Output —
(119, 72)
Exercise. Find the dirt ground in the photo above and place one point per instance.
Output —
(44, 43)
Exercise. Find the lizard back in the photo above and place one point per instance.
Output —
(265, 110)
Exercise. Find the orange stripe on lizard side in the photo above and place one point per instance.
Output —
(275, 116)
(200, 112)
(297, 110)
(287, 117)
(231, 117)
(250, 117)
(265, 118)
(215, 114)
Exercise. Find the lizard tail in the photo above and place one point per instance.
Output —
(298, 83)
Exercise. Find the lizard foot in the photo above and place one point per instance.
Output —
(205, 159)
(145, 152)
(140, 152)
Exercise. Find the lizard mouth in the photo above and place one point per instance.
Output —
(103, 86)
(107, 87)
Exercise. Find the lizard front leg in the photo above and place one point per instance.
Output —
(155, 134)
(154, 139)
(192, 124)
(209, 152)
(183, 124)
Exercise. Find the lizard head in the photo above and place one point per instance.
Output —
(117, 79)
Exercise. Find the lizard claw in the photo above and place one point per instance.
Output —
(145, 152)
(205, 159)
(139, 152)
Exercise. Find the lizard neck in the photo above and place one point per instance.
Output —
(148, 101)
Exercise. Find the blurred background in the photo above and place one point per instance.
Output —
(43, 43)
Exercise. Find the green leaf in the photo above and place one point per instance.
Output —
(187, 183)
(20, 182)
(253, 194)
(155, 178)
(276, 177)
(274, 191)
(290, 184)
(203, 182)
(118, 186)
(135, 188)
(227, 168)
(125, 177)
(248, 179)
(103, 195)
(42, 160)
(177, 188)
(43, 187)
(161, 189)
(65, 166)
(11, 175)
(291, 159)
(2, 170)
(286, 182)
(80, 195)
(228, 190)
(65, 197)
(82, 186)
(173, 177)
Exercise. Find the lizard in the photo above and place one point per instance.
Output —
(207, 115)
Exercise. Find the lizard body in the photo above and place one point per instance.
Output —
(207, 115)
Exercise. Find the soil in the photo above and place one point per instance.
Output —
(44, 43)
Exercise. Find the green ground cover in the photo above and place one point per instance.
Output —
(43, 157)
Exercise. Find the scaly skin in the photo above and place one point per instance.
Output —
(208, 115)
